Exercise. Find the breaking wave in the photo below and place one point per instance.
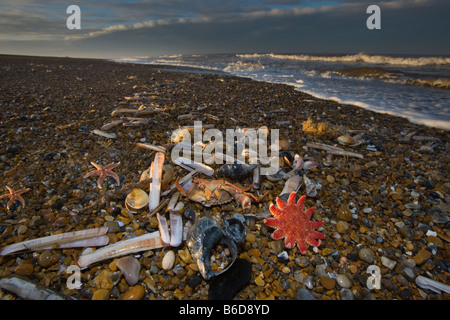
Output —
(357, 58)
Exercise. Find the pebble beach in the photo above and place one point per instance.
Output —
(387, 210)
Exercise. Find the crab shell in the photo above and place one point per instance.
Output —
(218, 196)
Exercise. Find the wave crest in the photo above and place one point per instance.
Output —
(356, 58)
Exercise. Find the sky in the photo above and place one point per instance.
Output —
(112, 29)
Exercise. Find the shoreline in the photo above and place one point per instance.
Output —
(394, 203)
(426, 119)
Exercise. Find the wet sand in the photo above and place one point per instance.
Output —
(389, 209)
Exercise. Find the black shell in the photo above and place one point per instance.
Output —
(235, 171)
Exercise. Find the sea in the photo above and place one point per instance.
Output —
(413, 87)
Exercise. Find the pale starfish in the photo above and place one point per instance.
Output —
(103, 172)
(14, 196)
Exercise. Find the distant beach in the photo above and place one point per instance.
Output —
(388, 207)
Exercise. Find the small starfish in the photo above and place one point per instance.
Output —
(103, 172)
(14, 196)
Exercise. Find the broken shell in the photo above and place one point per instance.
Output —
(310, 164)
(130, 267)
(176, 229)
(235, 229)
(427, 283)
(163, 228)
(345, 140)
(167, 176)
(292, 185)
(204, 235)
(235, 171)
(30, 290)
(276, 177)
(136, 199)
(311, 187)
(298, 162)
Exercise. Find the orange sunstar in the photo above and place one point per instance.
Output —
(292, 222)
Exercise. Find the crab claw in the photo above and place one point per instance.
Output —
(180, 187)
(244, 201)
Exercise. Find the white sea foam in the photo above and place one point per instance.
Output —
(356, 58)
(405, 93)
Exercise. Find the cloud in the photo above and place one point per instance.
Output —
(218, 17)
(176, 26)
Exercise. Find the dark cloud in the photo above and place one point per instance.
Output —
(119, 28)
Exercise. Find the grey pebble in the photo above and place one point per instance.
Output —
(304, 294)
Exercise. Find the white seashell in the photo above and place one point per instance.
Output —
(310, 164)
(136, 200)
(311, 187)
(155, 190)
(152, 147)
(111, 124)
(292, 184)
(345, 140)
(173, 201)
(333, 150)
(163, 228)
(176, 229)
(66, 239)
(104, 134)
(179, 207)
(29, 290)
(145, 242)
(130, 267)
(426, 283)
(200, 167)
(298, 162)
(168, 260)
(146, 174)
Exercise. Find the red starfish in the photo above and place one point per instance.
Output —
(103, 172)
(292, 222)
(14, 196)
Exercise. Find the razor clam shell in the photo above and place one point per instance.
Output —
(200, 167)
(111, 124)
(60, 239)
(176, 229)
(29, 290)
(99, 241)
(333, 150)
(163, 228)
(173, 201)
(155, 190)
(426, 283)
(152, 147)
(145, 242)
(104, 134)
